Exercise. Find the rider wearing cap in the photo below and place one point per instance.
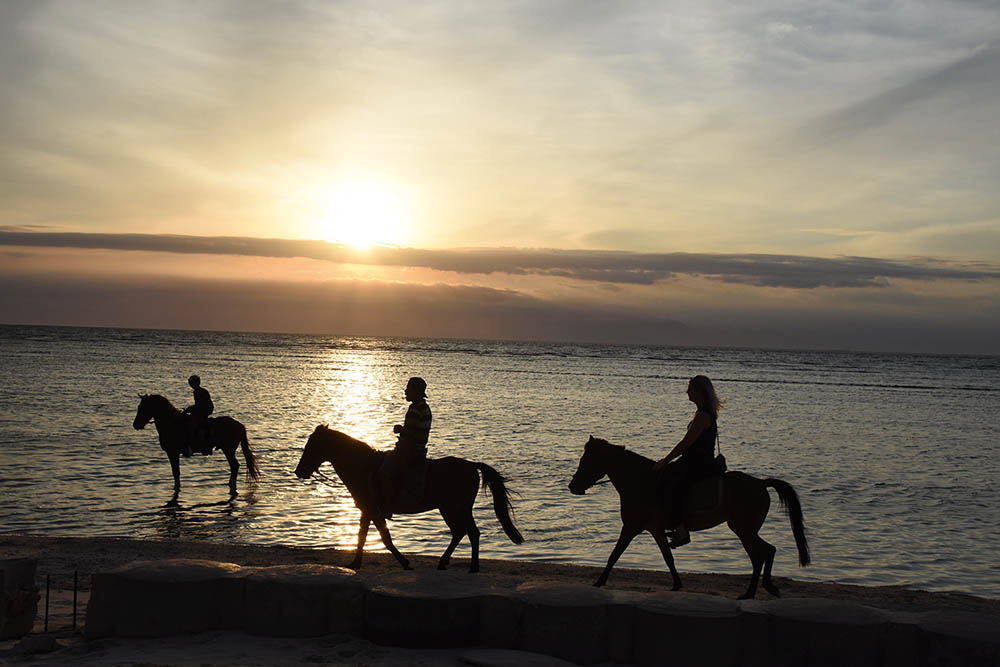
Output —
(199, 412)
(411, 447)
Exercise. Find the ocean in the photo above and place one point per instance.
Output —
(894, 456)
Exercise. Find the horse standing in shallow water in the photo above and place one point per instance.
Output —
(451, 487)
(173, 427)
(744, 505)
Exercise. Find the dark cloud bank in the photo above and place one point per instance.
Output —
(356, 307)
(760, 270)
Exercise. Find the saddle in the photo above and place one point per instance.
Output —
(200, 437)
(414, 482)
(705, 495)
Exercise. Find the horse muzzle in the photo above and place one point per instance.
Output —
(577, 490)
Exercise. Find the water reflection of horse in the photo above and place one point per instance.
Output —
(743, 506)
(451, 487)
(173, 427)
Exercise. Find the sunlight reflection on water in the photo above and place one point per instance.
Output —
(898, 486)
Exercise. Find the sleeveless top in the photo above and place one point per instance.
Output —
(702, 452)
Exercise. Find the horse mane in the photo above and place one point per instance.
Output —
(621, 449)
(162, 400)
(343, 438)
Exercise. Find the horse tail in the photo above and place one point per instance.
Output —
(501, 501)
(253, 471)
(790, 502)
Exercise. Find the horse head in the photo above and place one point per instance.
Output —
(312, 456)
(144, 413)
(592, 467)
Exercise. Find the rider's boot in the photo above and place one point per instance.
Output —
(679, 536)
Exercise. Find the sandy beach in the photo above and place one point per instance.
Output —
(60, 557)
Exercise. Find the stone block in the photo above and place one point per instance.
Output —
(167, 597)
(823, 632)
(304, 601)
(424, 608)
(18, 597)
(574, 622)
(685, 628)
(958, 638)
(500, 620)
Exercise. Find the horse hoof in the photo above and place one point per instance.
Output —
(473, 569)
(407, 567)
(598, 583)
(442, 566)
(354, 565)
(747, 596)
(676, 587)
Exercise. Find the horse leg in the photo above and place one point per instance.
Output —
(175, 467)
(760, 552)
(234, 469)
(458, 526)
(383, 530)
(474, 543)
(661, 541)
(767, 583)
(624, 539)
(362, 538)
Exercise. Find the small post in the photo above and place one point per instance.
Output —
(48, 578)
(74, 599)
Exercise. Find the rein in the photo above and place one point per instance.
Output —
(324, 479)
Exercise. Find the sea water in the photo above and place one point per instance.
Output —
(894, 456)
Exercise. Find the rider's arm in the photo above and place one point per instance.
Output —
(700, 422)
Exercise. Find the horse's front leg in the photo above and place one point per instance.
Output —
(668, 556)
(624, 539)
(383, 530)
(175, 467)
(362, 538)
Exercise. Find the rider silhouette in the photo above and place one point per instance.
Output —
(411, 447)
(199, 412)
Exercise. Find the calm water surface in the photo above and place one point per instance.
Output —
(894, 456)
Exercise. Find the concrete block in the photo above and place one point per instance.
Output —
(685, 628)
(304, 601)
(958, 638)
(824, 632)
(424, 608)
(500, 620)
(167, 597)
(569, 621)
(18, 597)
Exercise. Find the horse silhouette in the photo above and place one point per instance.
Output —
(174, 429)
(744, 505)
(451, 487)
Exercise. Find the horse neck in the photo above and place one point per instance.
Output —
(352, 459)
(625, 468)
(164, 412)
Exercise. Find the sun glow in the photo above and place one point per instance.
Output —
(362, 214)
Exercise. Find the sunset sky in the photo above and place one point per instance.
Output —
(780, 174)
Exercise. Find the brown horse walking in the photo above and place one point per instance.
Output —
(451, 487)
(744, 505)
(173, 427)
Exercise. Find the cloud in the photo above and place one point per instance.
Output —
(615, 267)
(346, 307)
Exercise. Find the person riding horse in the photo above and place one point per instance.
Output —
(691, 459)
(199, 413)
(411, 446)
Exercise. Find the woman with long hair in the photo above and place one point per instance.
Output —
(691, 458)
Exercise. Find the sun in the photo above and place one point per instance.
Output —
(362, 214)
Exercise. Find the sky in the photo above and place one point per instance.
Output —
(777, 174)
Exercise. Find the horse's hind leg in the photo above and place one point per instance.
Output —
(362, 538)
(767, 583)
(461, 524)
(761, 554)
(234, 469)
